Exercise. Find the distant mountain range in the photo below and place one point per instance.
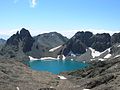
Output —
(82, 46)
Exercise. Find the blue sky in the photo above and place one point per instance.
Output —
(64, 16)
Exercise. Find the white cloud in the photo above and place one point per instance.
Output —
(68, 33)
(33, 3)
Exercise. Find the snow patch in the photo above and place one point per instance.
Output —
(118, 46)
(108, 49)
(51, 87)
(117, 56)
(92, 59)
(72, 59)
(52, 34)
(63, 57)
(17, 88)
(53, 49)
(47, 58)
(94, 53)
(101, 59)
(62, 77)
(58, 57)
(33, 59)
(86, 89)
(44, 58)
(108, 56)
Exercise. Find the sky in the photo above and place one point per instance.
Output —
(63, 16)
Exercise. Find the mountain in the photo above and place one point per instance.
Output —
(89, 46)
(17, 45)
(77, 44)
(22, 44)
(44, 42)
(82, 46)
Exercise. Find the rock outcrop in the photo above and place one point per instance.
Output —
(115, 38)
(17, 45)
(78, 43)
(100, 42)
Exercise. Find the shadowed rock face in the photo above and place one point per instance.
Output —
(24, 37)
(78, 43)
(82, 40)
(17, 45)
(84, 37)
(100, 42)
(115, 38)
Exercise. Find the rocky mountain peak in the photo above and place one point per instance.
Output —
(24, 33)
(115, 38)
(83, 40)
(24, 37)
(78, 43)
(18, 45)
(101, 42)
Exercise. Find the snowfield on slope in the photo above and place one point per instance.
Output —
(53, 49)
(94, 53)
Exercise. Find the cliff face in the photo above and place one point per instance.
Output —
(82, 40)
(23, 38)
(100, 42)
(17, 45)
(115, 38)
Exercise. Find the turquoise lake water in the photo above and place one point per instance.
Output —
(56, 66)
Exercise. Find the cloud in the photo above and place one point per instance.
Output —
(68, 33)
(33, 3)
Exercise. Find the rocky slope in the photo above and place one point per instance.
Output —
(101, 75)
(44, 42)
(16, 76)
(2, 43)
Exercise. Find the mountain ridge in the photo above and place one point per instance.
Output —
(76, 47)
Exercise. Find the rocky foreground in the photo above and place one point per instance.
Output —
(16, 76)
(101, 75)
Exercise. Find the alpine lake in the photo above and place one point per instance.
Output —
(57, 66)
